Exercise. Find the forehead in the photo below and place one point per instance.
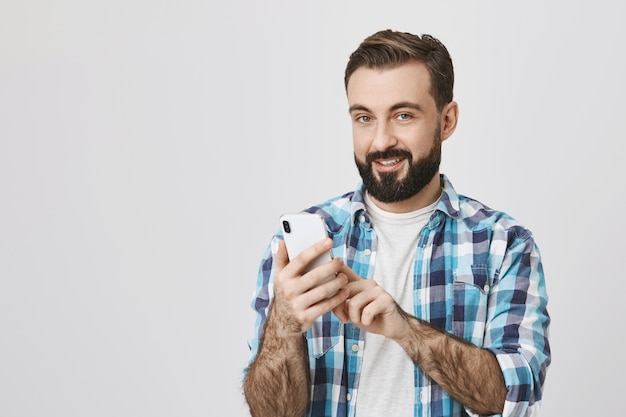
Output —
(408, 82)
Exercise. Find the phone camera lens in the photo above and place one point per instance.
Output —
(286, 226)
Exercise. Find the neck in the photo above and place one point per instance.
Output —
(427, 195)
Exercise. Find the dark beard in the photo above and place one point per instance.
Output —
(389, 189)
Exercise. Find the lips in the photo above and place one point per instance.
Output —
(388, 165)
(390, 162)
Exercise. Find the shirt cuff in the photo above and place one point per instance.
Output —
(521, 400)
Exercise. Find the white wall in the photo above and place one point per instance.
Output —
(147, 149)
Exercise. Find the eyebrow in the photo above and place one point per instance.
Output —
(358, 107)
(400, 105)
(407, 104)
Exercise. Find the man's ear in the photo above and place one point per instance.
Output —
(449, 118)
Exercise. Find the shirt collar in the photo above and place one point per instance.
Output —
(448, 202)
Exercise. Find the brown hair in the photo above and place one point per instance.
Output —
(389, 48)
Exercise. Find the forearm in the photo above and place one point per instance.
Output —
(468, 373)
(277, 383)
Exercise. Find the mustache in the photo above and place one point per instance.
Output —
(386, 154)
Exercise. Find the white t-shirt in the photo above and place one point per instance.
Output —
(386, 386)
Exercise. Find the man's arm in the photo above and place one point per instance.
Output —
(468, 373)
(277, 382)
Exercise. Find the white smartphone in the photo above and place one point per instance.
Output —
(301, 230)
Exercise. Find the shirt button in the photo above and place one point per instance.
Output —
(355, 348)
(362, 218)
(367, 252)
(348, 396)
(486, 288)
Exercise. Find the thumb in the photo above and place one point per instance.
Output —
(281, 259)
(340, 312)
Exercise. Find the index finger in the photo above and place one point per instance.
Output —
(352, 276)
(308, 255)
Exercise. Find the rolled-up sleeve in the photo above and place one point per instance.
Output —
(518, 325)
(261, 298)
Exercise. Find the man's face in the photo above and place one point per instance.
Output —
(396, 130)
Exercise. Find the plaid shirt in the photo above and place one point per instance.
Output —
(477, 275)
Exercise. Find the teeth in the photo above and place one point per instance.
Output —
(388, 163)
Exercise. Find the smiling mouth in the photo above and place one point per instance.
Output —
(390, 162)
(388, 165)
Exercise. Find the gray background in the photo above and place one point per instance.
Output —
(147, 149)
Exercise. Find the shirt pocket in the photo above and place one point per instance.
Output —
(323, 335)
(469, 308)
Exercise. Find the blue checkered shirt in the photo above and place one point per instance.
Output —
(477, 275)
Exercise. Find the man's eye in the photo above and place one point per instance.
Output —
(363, 119)
(404, 116)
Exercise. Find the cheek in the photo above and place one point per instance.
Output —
(417, 141)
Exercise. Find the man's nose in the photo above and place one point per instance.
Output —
(384, 136)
